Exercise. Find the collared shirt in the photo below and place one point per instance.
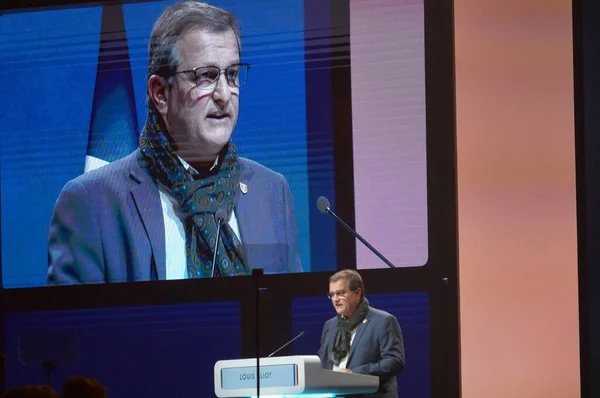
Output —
(175, 230)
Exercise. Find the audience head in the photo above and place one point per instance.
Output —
(31, 392)
(83, 387)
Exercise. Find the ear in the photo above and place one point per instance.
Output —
(158, 90)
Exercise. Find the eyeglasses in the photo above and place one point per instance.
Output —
(206, 77)
(340, 293)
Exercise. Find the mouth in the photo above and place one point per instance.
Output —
(218, 116)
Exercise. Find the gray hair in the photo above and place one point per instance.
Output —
(354, 280)
(177, 20)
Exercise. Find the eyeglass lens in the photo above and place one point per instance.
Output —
(236, 75)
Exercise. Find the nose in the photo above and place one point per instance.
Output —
(222, 92)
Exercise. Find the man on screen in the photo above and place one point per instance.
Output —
(155, 213)
(361, 339)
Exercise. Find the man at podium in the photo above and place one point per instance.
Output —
(361, 339)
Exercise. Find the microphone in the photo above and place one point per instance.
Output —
(220, 216)
(325, 207)
(286, 344)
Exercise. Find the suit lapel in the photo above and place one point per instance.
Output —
(328, 344)
(147, 200)
(360, 329)
(245, 206)
(330, 337)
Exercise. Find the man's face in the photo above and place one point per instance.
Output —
(201, 121)
(344, 301)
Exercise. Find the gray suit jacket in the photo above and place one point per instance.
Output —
(108, 225)
(377, 350)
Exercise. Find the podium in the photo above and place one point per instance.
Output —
(287, 376)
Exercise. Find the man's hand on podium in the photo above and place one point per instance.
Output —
(344, 370)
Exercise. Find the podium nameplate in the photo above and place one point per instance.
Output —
(270, 376)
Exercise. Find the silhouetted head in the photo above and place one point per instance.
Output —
(32, 392)
(83, 387)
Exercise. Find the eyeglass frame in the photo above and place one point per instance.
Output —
(213, 84)
(332, 295)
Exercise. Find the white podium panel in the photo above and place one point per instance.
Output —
(286, 376)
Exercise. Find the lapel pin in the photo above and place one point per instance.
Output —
(243, 188)
(364, 321)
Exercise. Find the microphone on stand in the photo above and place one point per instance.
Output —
(286, 344)
(325, 207)
(220, 216)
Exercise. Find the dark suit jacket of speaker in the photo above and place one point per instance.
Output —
(377, 350)
(108, 225)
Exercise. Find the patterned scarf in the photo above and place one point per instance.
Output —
(343, 335)
(198, 200)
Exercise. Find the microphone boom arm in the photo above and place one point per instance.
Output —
(357, 235)
(286, 344)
